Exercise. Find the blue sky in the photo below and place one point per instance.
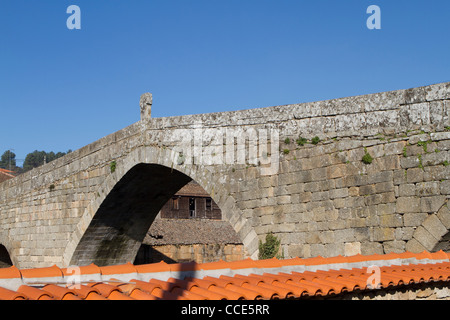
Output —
(62, 89)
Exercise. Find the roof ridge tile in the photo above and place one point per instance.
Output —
(118, 269)
(52, 271)
(83, 270)
(152, 267)
(10, 273)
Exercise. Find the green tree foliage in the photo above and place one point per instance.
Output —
(8, 160)
(270, 248)
(38, 158)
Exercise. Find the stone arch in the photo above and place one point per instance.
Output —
(139, 167)
(433, 234)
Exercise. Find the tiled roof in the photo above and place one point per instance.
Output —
(6, 175)
(244, 279)
(192, 189)
(191, 231)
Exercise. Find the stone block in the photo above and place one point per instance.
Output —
(431, 204)
(319, 174)
(383, 234)
(414, 246)
(336, 171)
(295, 250)
(317, 250)
(378, 177)
(352, 248)
(334, 249)
(353, 191)
(394, 246)
(427, 188)
(394, 148)
(437, 136)
(445, 187)
(384, 164)
(416, 138)
(414, 175)
(414, 219)
(366, 190)
(433, 159)
(434, 226)
(344, 235)
(399, 176)
(368, 248)
(408, 204)
(338, 193)
(391, 220)
(425, 238)
(376, 151)
(444, 216)
(438, 91)
(320, 196)
(404, 233)
(326, 237)
(407, 190)
(313, 186)
(384, 187)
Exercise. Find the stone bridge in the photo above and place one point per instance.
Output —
(365, 174)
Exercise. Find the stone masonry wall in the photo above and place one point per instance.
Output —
(323, 200)
(326, 201)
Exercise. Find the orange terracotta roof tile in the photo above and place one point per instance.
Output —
(6, 294)
(61, 293)
(35, 293)
(86, 292)
(155, 290)
(9, 273)
(216, 265)
(52, 271)
(85, 270)
(187, 266)
(118, 269)
(153, 267)
(110, 291)
(244, 279)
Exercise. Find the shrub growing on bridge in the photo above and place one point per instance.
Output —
(270, 248)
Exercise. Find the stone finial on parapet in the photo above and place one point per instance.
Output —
(146, 106)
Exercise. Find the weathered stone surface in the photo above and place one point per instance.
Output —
(431, 204)
(425, 238)
(408, 204)
(435, 226)
(414, 219)
(415, 246)
(444, 216)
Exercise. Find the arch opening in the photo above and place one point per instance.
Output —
(443, 244)
(190, 228)
(122, 220)
(120, 224)
(5, 258)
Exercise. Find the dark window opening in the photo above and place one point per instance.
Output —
(192, 207)
(208, 204)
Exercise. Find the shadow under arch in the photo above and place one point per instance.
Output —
(117, 229)
(5, 258)
(443, 244)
